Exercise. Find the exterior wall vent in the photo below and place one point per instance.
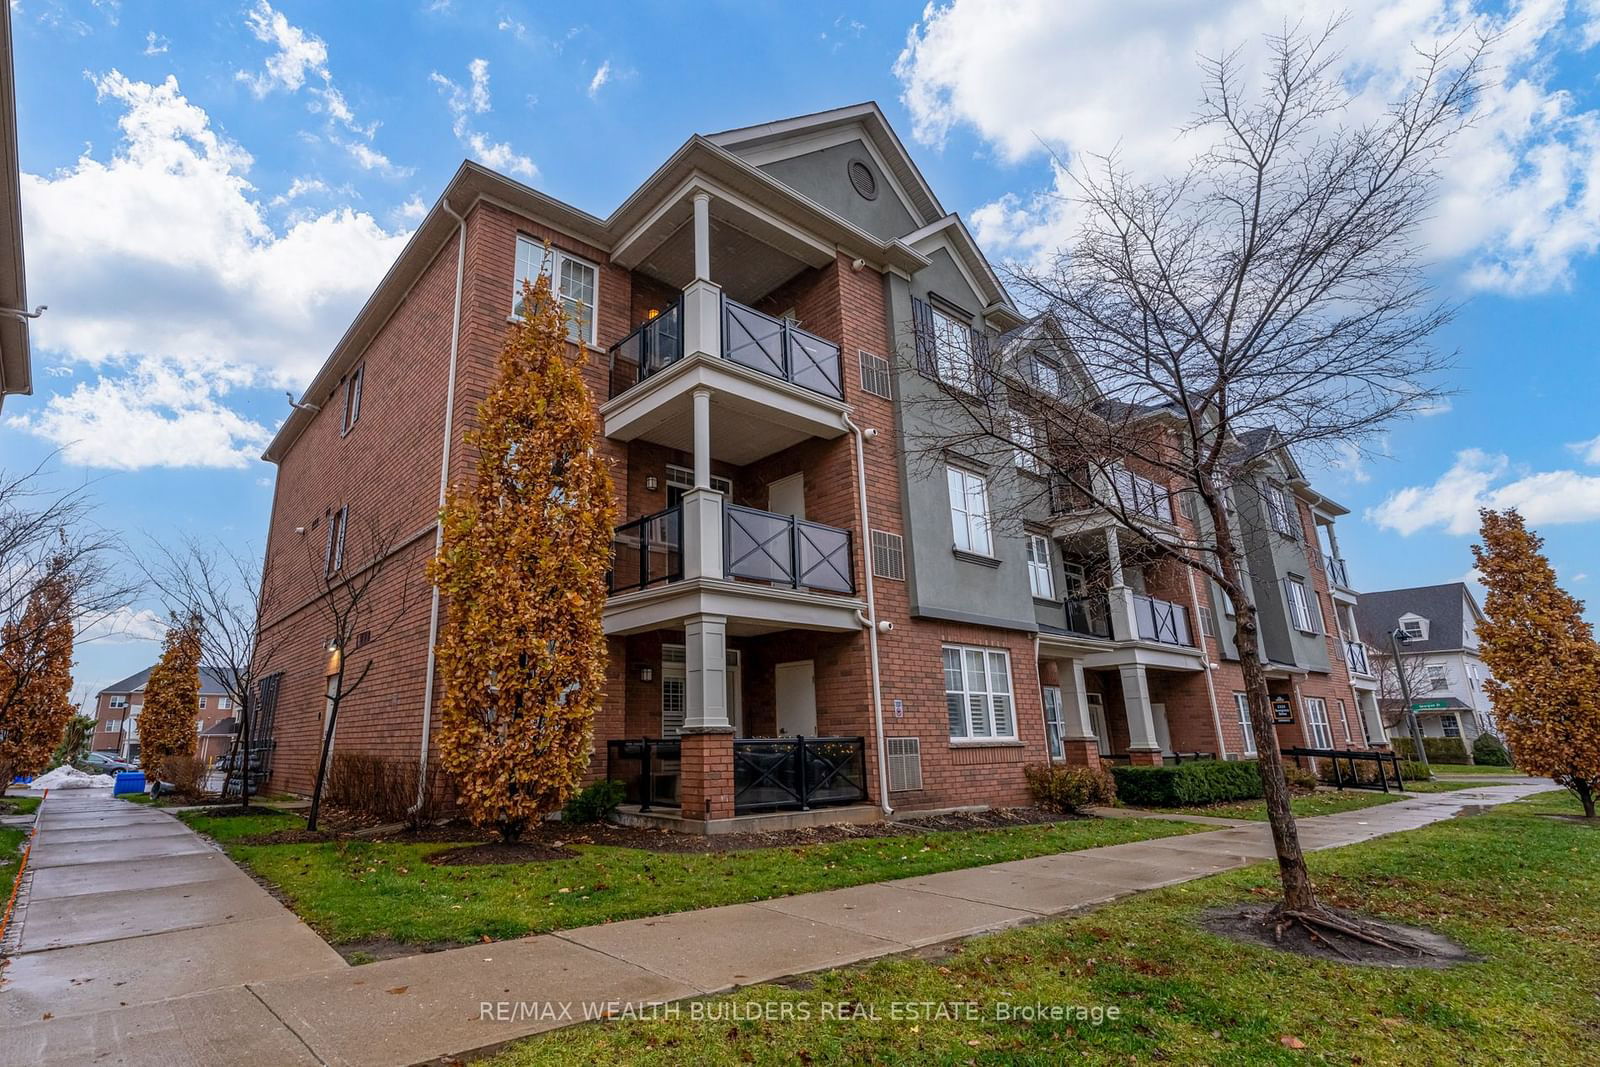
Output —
(875, 375)
(863, 180)
(888, 555)
(905, 763)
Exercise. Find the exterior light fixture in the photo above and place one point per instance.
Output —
(650, 483)
(646, 674)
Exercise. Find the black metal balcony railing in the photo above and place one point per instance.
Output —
(774, 347)
(1162, 620)
(1338, 573)
(797, 773)
(1088, 615)
(1355, 654)
(782, 549)
(648, 768)
(646, 551)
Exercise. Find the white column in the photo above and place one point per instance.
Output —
(706, 673)
(1119, 598)
(702, 534)
(702, 438)
(1136, 705)
(1074, 700)
(702, 236)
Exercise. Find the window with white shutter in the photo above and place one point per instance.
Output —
(977, 684)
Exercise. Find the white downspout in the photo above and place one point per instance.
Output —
(871, 617)
(444, 485)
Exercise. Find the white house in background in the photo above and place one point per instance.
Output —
(1440, 657)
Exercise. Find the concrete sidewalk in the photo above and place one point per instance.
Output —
(225, 977)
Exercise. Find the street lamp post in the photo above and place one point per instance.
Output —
(1397, 636)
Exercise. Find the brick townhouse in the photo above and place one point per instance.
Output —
(802, 612)
(117, 708)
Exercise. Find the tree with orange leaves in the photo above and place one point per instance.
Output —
(35, 680)
(1546, 664)
(168, 724)
(522, 567)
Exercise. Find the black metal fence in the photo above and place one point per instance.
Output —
(798, 773)
(1088, 615)
(764, 547)
(1346, 776)
(652, 347)
(646, 551)
(649, 769)
(779, 348)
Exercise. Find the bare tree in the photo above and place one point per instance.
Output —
(230, 593)
(1269, 300)
(356, 616)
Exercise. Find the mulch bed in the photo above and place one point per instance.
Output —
(1254, 925)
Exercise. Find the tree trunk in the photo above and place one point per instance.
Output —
(322, 764)
(1585, 795)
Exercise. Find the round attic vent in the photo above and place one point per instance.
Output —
(863, 180)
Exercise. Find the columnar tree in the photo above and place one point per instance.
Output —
(168, 723)
(522, 568)
(1542, 654)
(35, 680)
(1269, 300)
(75, 739)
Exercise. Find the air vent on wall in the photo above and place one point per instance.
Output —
(905, 763)
(888, 555)
(875, 374)
(863, 180)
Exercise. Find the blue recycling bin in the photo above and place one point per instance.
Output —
(128, 782)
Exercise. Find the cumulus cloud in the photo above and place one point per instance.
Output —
(122, 625)
(601, 76)
(1588, 451)
(1479, 479)
(155, 44)
(163, 252)
(473, 99)
(1520, 198)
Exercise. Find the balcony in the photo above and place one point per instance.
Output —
(1338, 572)
(1088, 616)
(783, 550)
(1355, 656)
(1162, 621)
(769, 774)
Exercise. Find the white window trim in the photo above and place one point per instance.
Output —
(1241, 706)
(1041, 579)
(991, 658)
(1025, 453)
(550, 262)
(970, 528)
(1318, 726)
(352, 398)
(1055, 722)
(1281, 513)
(1299, 607)
(683, 478)
(952, 360)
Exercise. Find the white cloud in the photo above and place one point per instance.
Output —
(1521, 192)
(464, 102)
(1476, 480)
(413, 209)
(155, 44)
(158, 414)
(163, 251)
(122, 625)
(1588, 451)
(601, 76)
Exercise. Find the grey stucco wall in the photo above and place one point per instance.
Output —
(823, 176)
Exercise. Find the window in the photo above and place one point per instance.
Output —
(1451, 724)
(1241, 707)
(119, 702)
(1344, 717)
(112, 726)
(1415, 628)
(1299, 605)
(1046, 377)
(681, 479)
(333, 549)
(352, 398)
(1040, 579)
(875, 375)
(952, 349)
(1472, 674)
(977, 694)
(573, 282)
(1055, 727)
(1438, 677)
(1140, 496)
(969, 511)
(203, 703)
(1208, 621)
(1280, 510)
(675, 689)
(1317, 720)
(1025, 440)
(888, 555)
(223, 703)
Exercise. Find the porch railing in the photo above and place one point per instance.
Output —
(648, 767)
(1338, 572)
(1355, 655)
(1088, 615)
(1162, 620)
(782, 549)
(798, 773)
(774, 347)
(1386, 766)
(646, 551)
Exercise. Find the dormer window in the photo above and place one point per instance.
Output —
(1414, 626)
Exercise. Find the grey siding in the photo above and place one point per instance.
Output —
(824, 177)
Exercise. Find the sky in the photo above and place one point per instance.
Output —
(210, 190)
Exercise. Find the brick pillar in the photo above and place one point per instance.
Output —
(1081, 753)
(1144, 758)
(705, 774)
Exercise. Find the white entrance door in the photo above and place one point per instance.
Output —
(796, 692)
(1158, 712)
(1097, 719)
(787, 496)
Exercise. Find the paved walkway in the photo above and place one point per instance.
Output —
(143, 945)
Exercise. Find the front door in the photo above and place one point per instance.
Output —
(1158, 712)
(1097, 719)
(796, 693)
(787, 496)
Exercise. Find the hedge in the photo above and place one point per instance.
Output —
(1187, 784)
(1488, 750)
(1439, 749)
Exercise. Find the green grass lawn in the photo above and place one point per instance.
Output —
(19, 805)
(1318, 803)
(1474, 768)
(1517, 889)
(356, 891)
(11, 839)
(1437, 786)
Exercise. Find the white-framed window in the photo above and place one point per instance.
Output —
(1046, 377)
(675, 689)
(112, 726)
(1208, 621)
(1025, 439)
(1040, 579)
(1140, 495)
(1055, 726)
(203, 703)
(1299, 605)
(333, 549)
(969, 511)
(1438, 677)
(1415, 628)
(352, 398)
(574, 282)
(952, 349)
(119, 702)
(1472, 674)
(1451, 725)
(1280, 510)
(223, 704)
(1317, 720)
(1241, 708)
(681, 479)
(1344, 717)
(977, 694)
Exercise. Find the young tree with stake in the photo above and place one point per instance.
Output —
(1269, 299)
(522, 568)
(167, 726)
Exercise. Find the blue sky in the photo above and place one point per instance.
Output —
(203, 240)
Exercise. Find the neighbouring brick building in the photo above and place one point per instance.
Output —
(117, 708)
(785, 568)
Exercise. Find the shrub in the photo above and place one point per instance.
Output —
(1488, 750)
(593, 803)
(381, 787)
(1185, 784)
(186, 775)
(1069, 789)
(1439, 749)
(1414, 771)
